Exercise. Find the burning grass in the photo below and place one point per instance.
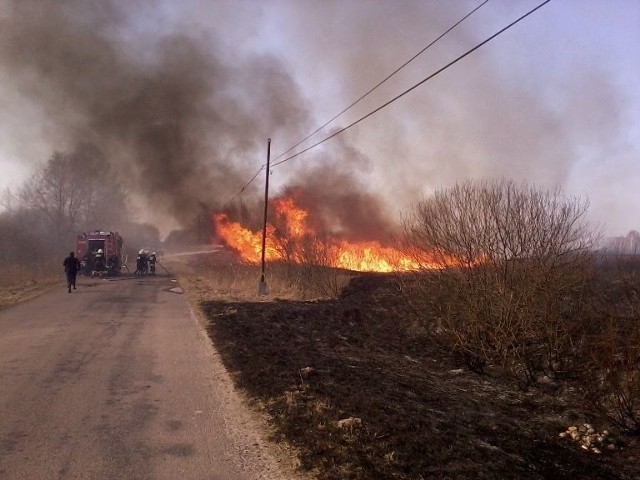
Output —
(292, 239)
(362, 392)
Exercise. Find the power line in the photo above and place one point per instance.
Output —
(468, 52)
(354, 103)
(437, 72)
(253, 177)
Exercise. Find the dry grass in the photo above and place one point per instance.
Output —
(220, 276)
(19, 284)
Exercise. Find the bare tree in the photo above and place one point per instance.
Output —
(506, 261)
(74, 192)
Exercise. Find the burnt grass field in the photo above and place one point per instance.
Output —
(410, 410)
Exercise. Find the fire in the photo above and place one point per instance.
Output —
(295, 217)
(297, 241)
(373, 257)
(247, 243)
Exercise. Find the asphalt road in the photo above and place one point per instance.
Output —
(118, 380)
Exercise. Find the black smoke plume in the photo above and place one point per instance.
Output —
(181, 124)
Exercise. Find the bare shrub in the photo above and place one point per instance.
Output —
(308, 262)
(317, 260)
(611, 352)
(508, 264)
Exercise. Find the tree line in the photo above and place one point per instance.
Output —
(70, 193)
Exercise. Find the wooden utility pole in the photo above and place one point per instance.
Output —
(263, 288)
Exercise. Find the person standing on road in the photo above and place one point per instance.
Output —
(99, 262)
(71, 266)
(151, 261)
(142, 265)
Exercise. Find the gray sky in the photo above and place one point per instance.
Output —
(554, 101)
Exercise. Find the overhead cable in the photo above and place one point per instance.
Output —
(437, 72)
(363, 96)
(253, 177)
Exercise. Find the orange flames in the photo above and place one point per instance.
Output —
(296, 241)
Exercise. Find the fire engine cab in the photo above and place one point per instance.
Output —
(88, 246)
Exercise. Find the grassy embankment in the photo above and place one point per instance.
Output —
(18, 284)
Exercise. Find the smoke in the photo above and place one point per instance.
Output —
(181, 99)
(333, 188)
(181, 124)
(543, 103)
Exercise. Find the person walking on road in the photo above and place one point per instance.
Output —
(71, 266)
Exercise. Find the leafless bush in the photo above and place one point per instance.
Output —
(510, 262)
(611, 377)
(309, 261)
(317, 259)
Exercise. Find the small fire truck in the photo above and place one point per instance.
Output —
(110, 244)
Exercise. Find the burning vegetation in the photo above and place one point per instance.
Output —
(476, 372)
(290, 237)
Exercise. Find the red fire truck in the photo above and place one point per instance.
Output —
(87, 247)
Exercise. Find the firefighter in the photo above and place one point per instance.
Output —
(71, 266)
(99, 262)
(152, 263)
(141, 263)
